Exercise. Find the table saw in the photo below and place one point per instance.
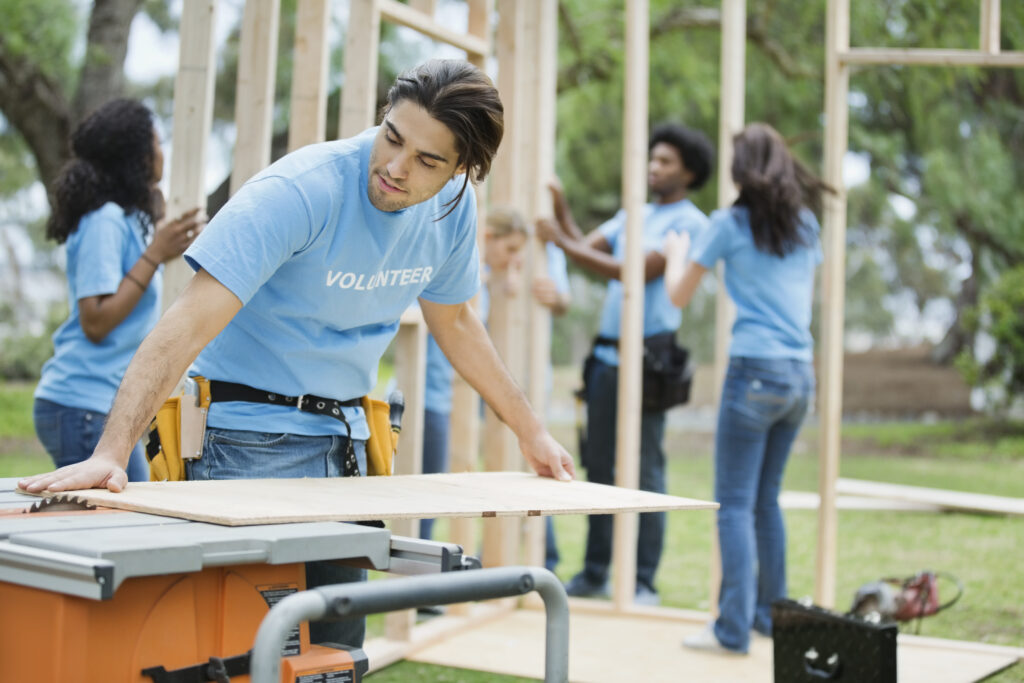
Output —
(115, 596)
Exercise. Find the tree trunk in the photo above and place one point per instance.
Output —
(957, 338)
(35, 104)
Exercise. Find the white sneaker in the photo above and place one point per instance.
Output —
(706, 640)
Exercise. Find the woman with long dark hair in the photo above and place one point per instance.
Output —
(769, 241)
(108, 210)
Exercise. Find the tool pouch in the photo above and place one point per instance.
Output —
(383, 441)
(176, 433)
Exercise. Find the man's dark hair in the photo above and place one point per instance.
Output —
(462, 97)
(112, 162)
(694, 148)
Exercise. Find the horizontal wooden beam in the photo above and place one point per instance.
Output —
(926, 57)
(394, 11)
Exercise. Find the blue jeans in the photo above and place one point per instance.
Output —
(436, 427)
(236, 454)
(764, 402)
(599, 460)
(70, 435)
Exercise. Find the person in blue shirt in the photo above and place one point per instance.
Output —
(680, 161)
(107, 210)
(300, 281)
(769, 242)
(505, 236)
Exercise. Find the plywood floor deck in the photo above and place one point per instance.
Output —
(613, 648)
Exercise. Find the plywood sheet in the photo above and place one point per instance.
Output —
(612, 648)
(950, 500)
(469, 494)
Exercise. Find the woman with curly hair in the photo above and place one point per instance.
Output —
(768, 240)
(108, 210)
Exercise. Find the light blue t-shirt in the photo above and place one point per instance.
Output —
(773, 294)
(438, 395)
(81, 374)
(659, 313)
(324, 276)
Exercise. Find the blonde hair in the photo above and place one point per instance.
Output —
(503, 221)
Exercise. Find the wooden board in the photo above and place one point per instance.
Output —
(616, 647)
(469, 494)
(950, 500)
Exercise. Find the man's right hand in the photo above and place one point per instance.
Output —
(95, 473)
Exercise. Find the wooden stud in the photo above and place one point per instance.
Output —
(362, 47)
(427, 7)
(634, 195)
(864, 56)
(396, 12)
(837, 87)
(410, 378)
(309, 74)
(501, 452)
(730, 122)
(990, 21)
(193, 118)
(479, 25)
(254, 99)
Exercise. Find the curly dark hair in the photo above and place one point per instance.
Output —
(112, 162)
(695, 149)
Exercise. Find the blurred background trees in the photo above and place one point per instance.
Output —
(934, 171)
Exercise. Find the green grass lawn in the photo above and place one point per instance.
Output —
(987, 553)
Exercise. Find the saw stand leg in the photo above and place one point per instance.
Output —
(355, 600)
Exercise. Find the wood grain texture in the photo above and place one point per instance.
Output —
(241, 502)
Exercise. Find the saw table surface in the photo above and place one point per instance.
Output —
(470, 494)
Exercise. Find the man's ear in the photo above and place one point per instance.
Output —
(459, 169)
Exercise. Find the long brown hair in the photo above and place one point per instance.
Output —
(774, 187)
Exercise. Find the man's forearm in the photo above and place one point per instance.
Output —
(199, 314)
(154, 370)
(474, 357)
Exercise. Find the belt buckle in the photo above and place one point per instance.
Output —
(299, 401)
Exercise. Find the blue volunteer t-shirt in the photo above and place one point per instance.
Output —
(659, 313)
(324, 276)
(773, 295)
(81, 374)
(438, 394)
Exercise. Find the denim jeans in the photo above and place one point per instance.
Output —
(70, 435)
(236, 454)
(599, 460)
(764, 402)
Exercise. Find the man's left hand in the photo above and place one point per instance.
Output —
(548, 458)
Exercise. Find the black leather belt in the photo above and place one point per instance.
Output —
(221, 391)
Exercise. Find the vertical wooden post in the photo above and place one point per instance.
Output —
(837, 86)
(410, 360)
(539, 170)
(308, 122)
(428, 7)
(254, 99)
(359, 91)
(193, 118)
(501, 536)
(479, 25)
(464, 445)
(634, 194)
(990, 27)
(730, 121)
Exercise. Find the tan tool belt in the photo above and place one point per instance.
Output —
(176, 433)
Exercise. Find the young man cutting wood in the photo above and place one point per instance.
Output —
(300, 281)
